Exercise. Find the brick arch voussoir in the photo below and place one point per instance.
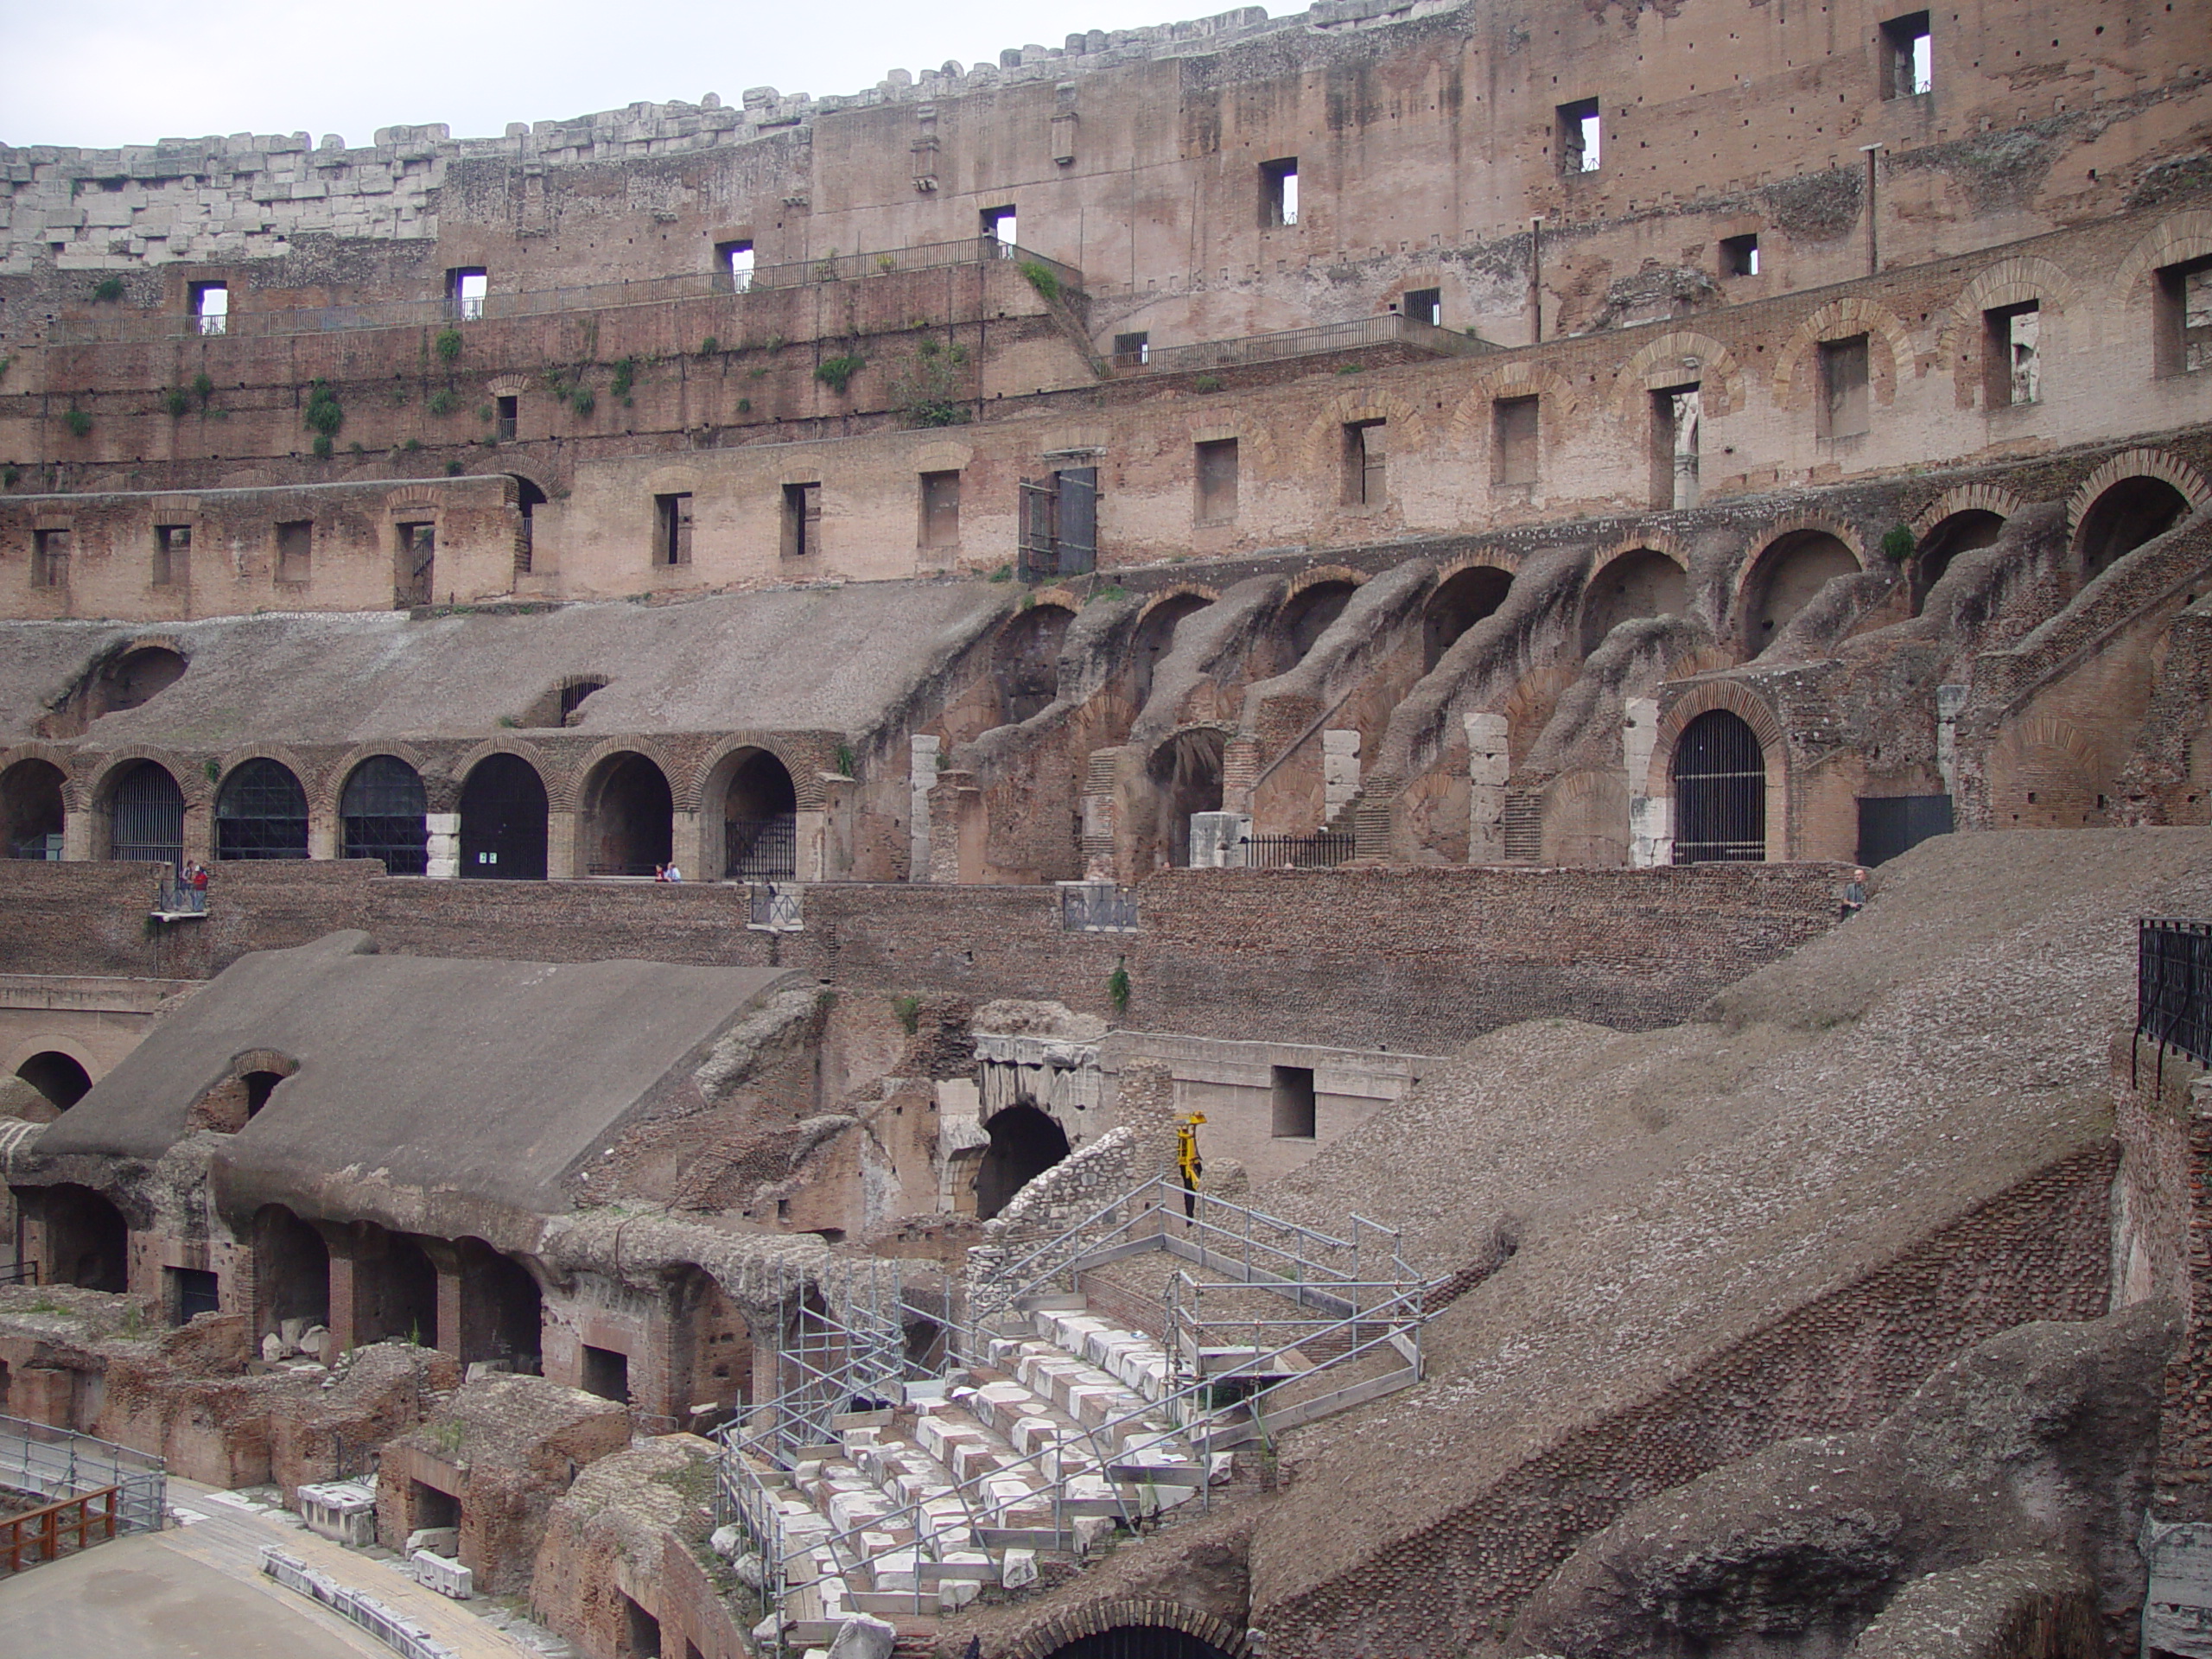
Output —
(1655, 541)
(74, 795)
(1498, 559)
(331, 790)
(1403, 418)
(556, 781)
(2051, 734)
(1659, 363)
(1048, 1635)
(1966, 498)
(1889, 350)
(2178, 238)
(1761, 540)
(310, 779)
(699, 781)
(1470, 423)
(1195, 589)
(102, 767)
(581, 767)
(2136, 463)
(1739, 700)
(1320, 574)
(1207, 427)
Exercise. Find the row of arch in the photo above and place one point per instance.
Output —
(627, 816)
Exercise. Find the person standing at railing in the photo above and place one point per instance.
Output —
(1188, 1164)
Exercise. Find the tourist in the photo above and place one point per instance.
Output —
(1854, 894)
(670, 872)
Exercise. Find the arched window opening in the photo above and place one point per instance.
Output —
(1642, 583)
(1791, 572)
(759, 821)
(1456, 606)
(1186, 775)
(1026, 662)
(395, 1291)
(261, 812)
(1025, 1143)
(629, 817)
(1720, 777)
(2133, 512)
(503, 818)
(146, 816)
(382, 814)
(1962, 533)
(136, 677)
(1155, 638)
(1305, 616)
(1139, 1642)
(502, 1310)
(30, 810)
(291, 1275)
(87, 1241)
(59, 1076)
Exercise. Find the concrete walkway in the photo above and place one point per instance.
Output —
(197, 1591)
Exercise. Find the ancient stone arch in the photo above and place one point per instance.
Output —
(2136, 463)
(522, 750)
(1671, 359)
(699, 784)
(1042, 1640)
(2018, 280)
(1753, 711)
(328, 789)
(74, 795)
(1321, 573)
(192, 782)
(1408, 425)
(312, 779)
(2179, 238)
(1470, 428)
(1966, 498)
(1889, 351)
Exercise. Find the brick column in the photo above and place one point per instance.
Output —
(345, 1286)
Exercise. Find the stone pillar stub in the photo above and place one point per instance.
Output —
(923, 752)
(1949, 700)
(1650, 818)
(443, 847)
(1217, 840)
(1490, 763)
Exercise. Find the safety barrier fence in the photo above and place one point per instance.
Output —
(44, 1533)
(55, 1463)
(2173, 985)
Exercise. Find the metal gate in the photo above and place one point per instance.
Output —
(503, 820)
(760, 849)
(1890, 825)
(1720, 777)
(382, 810)
(1058, 528)
(262, 812)
(146, 818)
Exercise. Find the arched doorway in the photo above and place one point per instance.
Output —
(1457, 604)
(1962, 533)
(291, 1272)
(2133, 512)
(1026, 662)
(1155, 638)
(503, 816)
(261, 812)
(502, 1310)
(30, 810)
(1186, 776)
(381, 815)
(1025, 1143)
(1792, 569)
(1644, 582)
(396, 1290)
(60, 1077)
(759, 819)
(87, 1240)
(528, 497)
(1139, 1642)
(629, 817)
(145, 816)
(1718, 772)
(1305, 617)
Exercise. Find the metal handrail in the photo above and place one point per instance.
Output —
(1390, 329)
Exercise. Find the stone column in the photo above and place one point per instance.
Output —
(1650, 818)
(452, 1303)
(561, 847)
(813, 844)
(1949, 700)
(1489, 764)
(322, 836)
(921, 777)
(1216, 839)
(688, 846)
(1340, 772)
(444, 847)
(77, 832)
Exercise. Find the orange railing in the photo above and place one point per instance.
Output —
(43, 1533)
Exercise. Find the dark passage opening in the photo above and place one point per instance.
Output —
(429, 1507)
(1305, 617)
(640, 1630)
(1026, 661)
(382, 810)
(2133, 512)
(292, 1265)
(261, 812)
(57, 1077)
(503, 820)
(502, 1309)
(1292, 1091)
(146, 816)
(629, 817)
(397, 1292)
(87, 1241)
(1139, 1642)
(1891, 824)
(1025, 1143)
(1155, 638)
(1187, 773)
(1719, 776)
(192, 1292)
(607, 1374)
(30, 810)
(1960, 533)
(1457, 605)
(759, 821)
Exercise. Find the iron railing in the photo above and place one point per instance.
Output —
(1357, 334)
(760, 849)
(548, 302)
(1097, 907)
(2173, 985)
(1324, 851)
(55, 1463)
(779, 906)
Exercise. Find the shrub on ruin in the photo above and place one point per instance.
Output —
(443, 401)
(177, 402)
(448, 345)
(625, 376)
(932, 387)
(1898, 544)
(1043, 280)
(325, 414)
(1206, 383)
(1117, 986)
(322, 446)
(77, 420)
(108, 289)
(909, 1010)
(203, 387)
(710, 345)
(583, 400)
(837, 373)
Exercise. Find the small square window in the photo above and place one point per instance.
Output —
(999, 227)
(211, 306)
(1292, 1091)
(1425, 305)
(1908, 57)
(49, 558)
(1578, 137)
(735, 260)
(295, 549)
(672, 528)
(465, 289)
(1279, 191)
(940, 506)
(801, 520)
(1217, 476)
(2011, 374)
(1739, 256)
(1843, 387)
(172, 553)
(1132, 351)
(1513, 447)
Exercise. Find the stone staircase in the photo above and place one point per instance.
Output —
(1024, 1461)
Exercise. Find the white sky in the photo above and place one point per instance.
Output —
(105, 72)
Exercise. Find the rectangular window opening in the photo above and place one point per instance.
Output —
(1056, 530)
(1843, 387)
(1293, 1102)
(1279, 191)
(1513, 440)
(172, 553)
(467, 288)
(1364, 445)
(801, 520)
(509, 412)
(2010, 372)
(295, 549)
(1676, 412)
(414, 576)
(999, 227)
(642, 1629)
(1908, 57)
(2184, 304)
(1579, 139)
(1217, 475)
(607, 1374)
(672, 528)
(940, 503)
(49, 558)
(1132, 351)
(1425, 305)
(192, 1292)
(211, 306)
(1739, 256)
(735, 260)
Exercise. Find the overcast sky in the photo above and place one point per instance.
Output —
(128, 71)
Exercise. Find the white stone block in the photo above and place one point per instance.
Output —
(1019, 1568)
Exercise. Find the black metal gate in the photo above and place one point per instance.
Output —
(261, 812)
(760, 849)
(382, 809)
(146, 816)
(2173, 985)
(1890, 825)
(503, 820)
(1139, 1642)
(1058, 528)
(1720, 777)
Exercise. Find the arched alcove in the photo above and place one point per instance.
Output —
(1460, 601)
(145, 811)
(1719, 774)
(60, 1077)
(291, 1271)
(1026, 661)
(1640, 583)
(30, 810)
(381, 815)
(1186, 776)
(1025, 1143)
(503, 819)
(87, 1240)
(1155, 638)
(136, 678)
(1139, 1642)
(759, 819)
(261, 812)
(628, 819)
(502, 1309)
(1792, 569)
(1962, 533)
(2133, 512)
(1305, 617)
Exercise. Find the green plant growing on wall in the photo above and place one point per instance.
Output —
(583, 400)
(447, 345)
(931, 389)
(1043, 280)
(827, 270)
(322, 446)
(1898, 544)
(486, 413)
(325, 414)
(886, 263)
(1117, 986)
(454, 469)
(411, 445)
(443, 401)
(203, 387)
(837, 373)
(845, 760)
(710, 345)
(213, 769)
(909, 1010)
(744, 405)
(10, 476)
(177, 402)
(625, 376)
(1206, 383)
(108, 289)
(77, 420)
